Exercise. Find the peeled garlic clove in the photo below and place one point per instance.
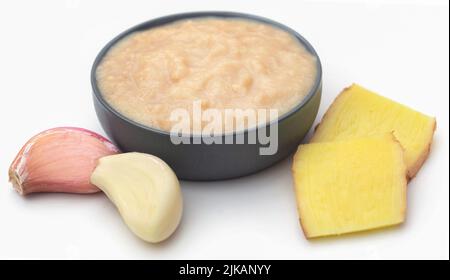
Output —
(59, 160)
(146, 192)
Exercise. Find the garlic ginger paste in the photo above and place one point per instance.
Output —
(224, 63)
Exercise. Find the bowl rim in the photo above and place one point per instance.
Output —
(160, 21)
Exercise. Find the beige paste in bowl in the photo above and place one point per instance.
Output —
(225, 64)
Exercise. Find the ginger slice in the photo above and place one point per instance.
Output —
(359, 112)
(350, 186)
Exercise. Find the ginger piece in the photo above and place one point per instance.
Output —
(359, 112)
(350, 186)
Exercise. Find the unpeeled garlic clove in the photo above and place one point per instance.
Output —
(145, 191)
(59, 160)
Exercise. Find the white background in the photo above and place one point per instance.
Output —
(397, 48)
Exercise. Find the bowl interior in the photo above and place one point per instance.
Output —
(216, 14)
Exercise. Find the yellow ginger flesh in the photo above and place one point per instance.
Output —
(350, 186)
(359, 112)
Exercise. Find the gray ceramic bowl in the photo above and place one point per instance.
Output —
(203, 162)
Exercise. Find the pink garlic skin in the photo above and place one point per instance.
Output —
(59, 160)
